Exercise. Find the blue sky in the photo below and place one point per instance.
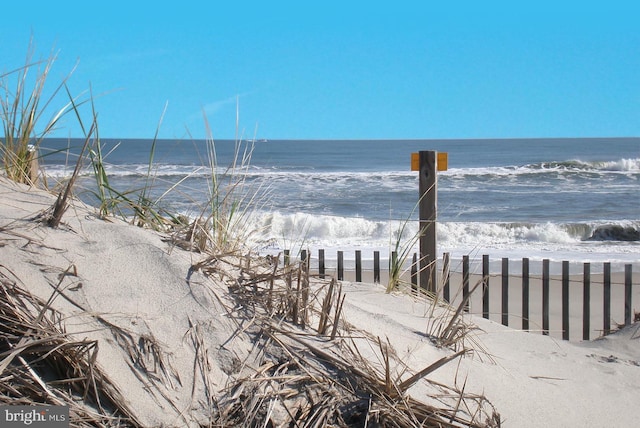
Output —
(340, 69)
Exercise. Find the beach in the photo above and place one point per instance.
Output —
(518, 312)
(171, 338)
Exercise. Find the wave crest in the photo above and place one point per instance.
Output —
(353, 231)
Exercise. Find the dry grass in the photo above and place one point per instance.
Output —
(22, 106)
(305, 369)
(316, 377)
(41, 364)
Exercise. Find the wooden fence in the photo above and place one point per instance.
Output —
(536, 300)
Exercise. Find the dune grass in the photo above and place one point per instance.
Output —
(307, 376)
(321, 376)
(24, 101)
(41, 364)
(224, 224)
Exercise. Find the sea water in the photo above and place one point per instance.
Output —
(559, 199)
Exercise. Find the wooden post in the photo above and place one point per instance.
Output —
(586, 301)
(465, 281)
(485, 286)
(446, 275)
(32, 166)
(358, 266)
(565, 300)
(340, 265)
(321, 267)
(545, 297)
(505, 291)
(376, 267)
(627, 294)
(428, 214)
(394, 262)
(303, 291)
(607, 299)
(414, 273)
(525, 294)
(287, 261)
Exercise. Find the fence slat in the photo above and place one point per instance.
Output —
(606, 310)
(565, 300)
(505, 291)
(485, 286)
(394, 260)
(465, 281)
(525, 294)
(287, 261)
(545, 297)
(321, 266)
(627, 294)
(586, 301)
(414, 272)
(446, 275)
(376, 267)
(445, 284)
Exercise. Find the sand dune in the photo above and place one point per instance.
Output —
(174, 339)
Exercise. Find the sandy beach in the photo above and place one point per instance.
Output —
(535, 310)
(172, 340)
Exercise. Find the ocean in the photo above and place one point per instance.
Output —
(575, 199)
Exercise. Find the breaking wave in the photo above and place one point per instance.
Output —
(336, 230)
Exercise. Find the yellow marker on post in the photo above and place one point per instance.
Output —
(415, 161)
(442, 161)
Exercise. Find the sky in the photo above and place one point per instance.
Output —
(337, 69)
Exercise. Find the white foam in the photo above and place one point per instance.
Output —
(512, 240)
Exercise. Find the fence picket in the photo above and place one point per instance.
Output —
(565, 283)
(485, 286)
(414, 272)
(545, 297)
(525, 294)
(505, 291)
(321, 265)
(627, 294)
(446, 275)
(565, 300)
(586, 301)
(376, 267)
(465, 281)
(606, 310)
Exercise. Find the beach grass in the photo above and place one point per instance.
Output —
(284, 303)
(446, 325)
(24, 101)
(41, 363)
(296, 373)
(322, 376)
